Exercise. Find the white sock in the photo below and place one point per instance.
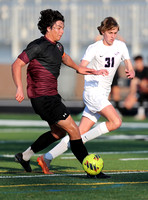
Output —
(27, 154)
(95, 132)
(64, 144)
(58, 149)
(141, 111)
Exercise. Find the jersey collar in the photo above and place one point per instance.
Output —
(49, 40)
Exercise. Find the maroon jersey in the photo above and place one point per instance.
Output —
(44, 58)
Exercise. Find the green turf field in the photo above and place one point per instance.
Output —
(125, 155)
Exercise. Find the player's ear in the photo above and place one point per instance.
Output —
(48, 29)
(102, 32)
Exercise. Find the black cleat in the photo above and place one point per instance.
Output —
(25, 164)
(101, 175)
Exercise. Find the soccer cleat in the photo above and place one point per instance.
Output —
(25, 164)
(101, 175)
(44, 163)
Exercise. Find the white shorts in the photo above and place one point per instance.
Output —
(90, 115)
(95, 100)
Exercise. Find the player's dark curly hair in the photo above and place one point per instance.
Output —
(48, 18)
(107, 24)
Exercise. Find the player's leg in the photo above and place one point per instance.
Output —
(90, 119)
(59, 149)
(78, 148)
(87, 121)
(76, 143)
(41, 143)
(99, 103)
(42, 160)
(86, 124)
(65, 122)
(113, 119)
(46, 139)
(113, 122)
(64, 144)
(43, 106)
(89, 134)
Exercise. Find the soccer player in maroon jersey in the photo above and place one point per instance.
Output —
(44, 57)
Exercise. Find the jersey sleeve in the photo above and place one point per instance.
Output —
(30, 53)
(125, 55)
(63, 55)
(61, 49)
(63, 52)
(89, 54)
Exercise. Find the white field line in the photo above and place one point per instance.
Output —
(114, 152)
(122, 159)
(43, 124)
(124, 137)
(67, 158)
(32, 123)
(102, 137)
(40, 123)
(129, 159)
(70, 155)
(54, 175)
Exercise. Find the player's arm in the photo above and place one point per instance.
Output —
(129, 70)
(17, 77)
(102, 72)
(67, 60)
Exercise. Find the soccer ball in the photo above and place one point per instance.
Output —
(93, 164)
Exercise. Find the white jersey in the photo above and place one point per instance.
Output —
(101, 56)
(98, 87)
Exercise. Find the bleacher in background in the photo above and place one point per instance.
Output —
(18, 25)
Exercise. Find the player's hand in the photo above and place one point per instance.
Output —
(19, 95)
(103, 72)
(130, 73)
(88, 71)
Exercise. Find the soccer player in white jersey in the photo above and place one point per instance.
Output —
(104, 54)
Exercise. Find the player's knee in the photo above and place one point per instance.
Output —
(117, 123)
(74, 132)
(59, 135)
